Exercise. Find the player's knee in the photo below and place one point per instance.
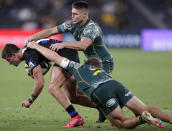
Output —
(118, 124)
(125, 125)
(51, 89)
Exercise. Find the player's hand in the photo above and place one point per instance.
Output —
(57, 46)
(26, 104)
(30, 75)
(32, 44)
(29, 39)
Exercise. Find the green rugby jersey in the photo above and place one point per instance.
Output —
(90, 30)
(88, 77)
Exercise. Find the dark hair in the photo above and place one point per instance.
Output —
(80, 5)
(94, 61)
(8, 50)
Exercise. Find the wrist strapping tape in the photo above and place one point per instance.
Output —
(64, 63)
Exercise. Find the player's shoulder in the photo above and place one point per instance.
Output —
(68, 24)
(28, 53)
(92, 26)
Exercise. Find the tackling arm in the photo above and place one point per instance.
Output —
(43, 34)
(51, 55)
(81, 45)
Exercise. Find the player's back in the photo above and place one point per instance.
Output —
(34, 58)
(88, 77)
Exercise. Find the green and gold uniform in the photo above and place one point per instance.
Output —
(99, 86)
(93, 31)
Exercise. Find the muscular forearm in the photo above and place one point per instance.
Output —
(38, 81)
(78, 45)
(38, 86)
(51, 55)
(44, 34)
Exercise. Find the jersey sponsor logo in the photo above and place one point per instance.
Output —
(67, 25)
(31, 64)
(110, 102)
(128, 93)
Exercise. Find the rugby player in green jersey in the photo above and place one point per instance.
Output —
(108, 94)
(88, 37)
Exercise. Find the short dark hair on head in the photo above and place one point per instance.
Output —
(8, 50)
(94, 61)
(80, 5)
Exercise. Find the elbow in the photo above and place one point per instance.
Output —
(42, 83)
(41, 86)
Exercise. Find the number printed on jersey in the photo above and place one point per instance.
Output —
(96, 71)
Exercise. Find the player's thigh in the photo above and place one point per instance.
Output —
(70, 86)
(58, 77)
(105, 98)
(136, 105)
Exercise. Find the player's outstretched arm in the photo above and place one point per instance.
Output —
(51, 55)
(81, 45)
(43, 34)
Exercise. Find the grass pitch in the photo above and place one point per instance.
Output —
(147, 74)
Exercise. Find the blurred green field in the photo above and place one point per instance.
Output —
(147, 74)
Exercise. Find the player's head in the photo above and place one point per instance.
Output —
(79, 11)
(10, 54)
(94, 61)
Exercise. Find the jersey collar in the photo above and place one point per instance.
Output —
(23, 50)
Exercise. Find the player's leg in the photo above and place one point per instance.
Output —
(157, 112)
(77, 97)
(137, 106)
(106, 98)
(123, 96)
(58, 77)
(117, 118)
(70, 87)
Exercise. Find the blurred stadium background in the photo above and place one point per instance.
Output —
(137, 32)
(125, 23)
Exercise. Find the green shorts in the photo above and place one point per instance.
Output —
(109, 95)
(108, 65)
